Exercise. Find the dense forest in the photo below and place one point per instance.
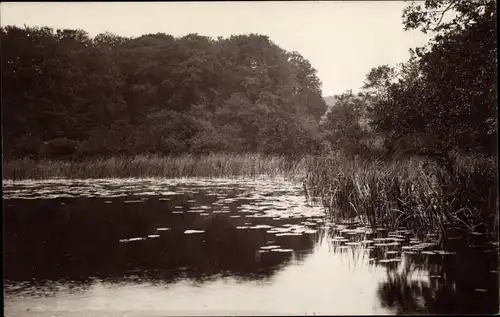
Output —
(65, 93)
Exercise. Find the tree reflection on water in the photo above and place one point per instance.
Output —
(460, 284)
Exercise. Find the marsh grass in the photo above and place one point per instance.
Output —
(412, 193)
(211, 165)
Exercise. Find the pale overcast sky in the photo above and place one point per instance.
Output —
(343, 40)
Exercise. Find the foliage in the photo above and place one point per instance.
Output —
(344, 126)
(443, 101)
(155, 94)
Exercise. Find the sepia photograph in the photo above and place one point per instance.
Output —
(253, 158)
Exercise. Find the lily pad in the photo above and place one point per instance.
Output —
(192, 231)
(269, 247)
(282, 250)
(353, 243)
(132, 240)
(390, 244)
(310, 231)
(389, 260)
(288, 234)
(444, 252)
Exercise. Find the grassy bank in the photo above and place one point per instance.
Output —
(211, 165)
(413, 193)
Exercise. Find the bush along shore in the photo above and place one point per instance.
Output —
(144, 166)
(414, 193)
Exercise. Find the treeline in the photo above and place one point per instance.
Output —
(65, 93)
(441, 103)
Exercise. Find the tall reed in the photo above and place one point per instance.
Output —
(413, 192)
(211, 165)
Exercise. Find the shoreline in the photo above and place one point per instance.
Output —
(154, 166)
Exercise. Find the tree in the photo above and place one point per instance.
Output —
(345, 124)
(445, 96)
(155, 93)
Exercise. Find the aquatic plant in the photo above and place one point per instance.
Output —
(411, 193)
(210, 165)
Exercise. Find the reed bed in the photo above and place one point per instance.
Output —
(146, 166)
(412, 193)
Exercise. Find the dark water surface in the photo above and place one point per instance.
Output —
(222, 246)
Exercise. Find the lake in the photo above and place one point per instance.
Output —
(156, 247)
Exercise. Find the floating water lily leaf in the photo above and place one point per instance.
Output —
(409, 252)
(435, 276)
(309, 231)
(398, 239)
(339, 239)
(444, 252)
(269, 247)
(282, 250)
(261, 227)
(169, 193)
(397, 236)
(383, 239)
(288, 234)
(131, 240)
(386, 244)
(192, 231)
(353, 243)
(223, 211)
(163, 229)
(389, 260)
(428, 252)
(423, 245)
(152, 236)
